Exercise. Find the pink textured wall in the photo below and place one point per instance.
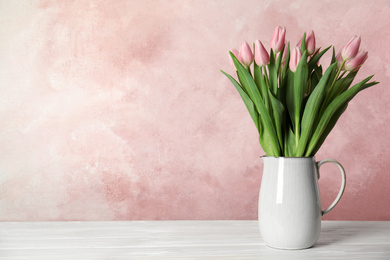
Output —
(117, 110)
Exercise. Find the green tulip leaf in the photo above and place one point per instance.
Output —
(314, 60)
(316, 75)
(332, 109)
(277, 116)
(285, 67)
(273, 73)
(303, 43)
(247, 101)
(312, 109)
(328, 129)
(342, 85)
(289, 143)
(261, 85)
(295, 94)
(268, 133)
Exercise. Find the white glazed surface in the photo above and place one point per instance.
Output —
(289, 203)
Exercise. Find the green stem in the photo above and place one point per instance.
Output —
(337, 75)
(333, 83)
(266, 75)
(342, 75)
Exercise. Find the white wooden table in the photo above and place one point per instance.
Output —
(183, 240)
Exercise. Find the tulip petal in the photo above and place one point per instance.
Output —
(357, 62)
(278, 39)
(261, 54)
(351, 49)
(310, 43)
(246, 54)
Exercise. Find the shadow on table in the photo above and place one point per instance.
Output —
(343, 233)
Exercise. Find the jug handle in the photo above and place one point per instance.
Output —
(343, 179)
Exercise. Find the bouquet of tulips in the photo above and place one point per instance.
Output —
(293, 103)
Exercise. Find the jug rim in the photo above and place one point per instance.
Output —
(286, 157)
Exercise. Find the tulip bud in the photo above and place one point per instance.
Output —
(246, 54)
(278, 39)
(236, 54)
(355, 63)
(261, 54)
(350, 50)
(284, 57)
(294, 59)
(339, 60)
(310, 42)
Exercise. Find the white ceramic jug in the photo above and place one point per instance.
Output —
(289, 203)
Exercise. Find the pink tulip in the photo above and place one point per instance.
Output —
(278, 39)
(237, 55)
(310, 42)
(294, 59)
(350, 50)
(246, 54)
(355, 63)
(339, 60)
(261, 54)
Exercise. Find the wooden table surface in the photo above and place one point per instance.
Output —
(184, 240)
